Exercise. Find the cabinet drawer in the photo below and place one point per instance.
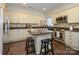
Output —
(70, 38)
(69, 44)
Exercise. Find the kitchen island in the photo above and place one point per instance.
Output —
(39, 35)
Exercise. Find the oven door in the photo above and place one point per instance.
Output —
(61, 35)
(58, 34)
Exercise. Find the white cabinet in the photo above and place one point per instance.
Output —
(11, 36)
(76, 39)
(68, 38)
(72, 39)
(73, 15)
(16, 35)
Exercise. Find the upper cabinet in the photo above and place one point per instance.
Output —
(2, 5)
(72, 15)
(21, 17)
(61, 19)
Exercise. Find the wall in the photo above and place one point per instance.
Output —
(72, 13)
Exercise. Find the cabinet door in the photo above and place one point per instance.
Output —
(14, 18)
(72, 39)
(13, 35)
(68, 38)
(22, 34)
(76, 39)
(73, 15)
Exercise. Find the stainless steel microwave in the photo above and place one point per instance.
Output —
(62, 19)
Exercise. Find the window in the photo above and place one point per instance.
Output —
(49, 21)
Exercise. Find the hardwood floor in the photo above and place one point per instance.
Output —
(18, 48)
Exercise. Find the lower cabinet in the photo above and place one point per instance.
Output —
(72, 39)
(16, 35)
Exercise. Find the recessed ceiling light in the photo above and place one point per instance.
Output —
(44, 9)
(24, 3)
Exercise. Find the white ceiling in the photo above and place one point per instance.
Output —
(39, 6)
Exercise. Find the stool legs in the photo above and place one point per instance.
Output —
(46, 47)
(27, 47)
(34, 47)
(41, 48)
(52, 48)
(30, 45)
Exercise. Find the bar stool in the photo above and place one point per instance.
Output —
(30, 44)
(45, 46)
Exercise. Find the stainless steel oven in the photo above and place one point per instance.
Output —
(59, 35)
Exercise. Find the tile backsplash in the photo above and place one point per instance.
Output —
(64, 25)
(67, 25)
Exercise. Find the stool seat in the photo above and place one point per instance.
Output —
(46, 40)
(29, 39)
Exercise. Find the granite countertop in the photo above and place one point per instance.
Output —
(65, 29)
(50, 28)
(40, 32)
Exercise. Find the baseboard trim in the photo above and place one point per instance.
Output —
(15, 41)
